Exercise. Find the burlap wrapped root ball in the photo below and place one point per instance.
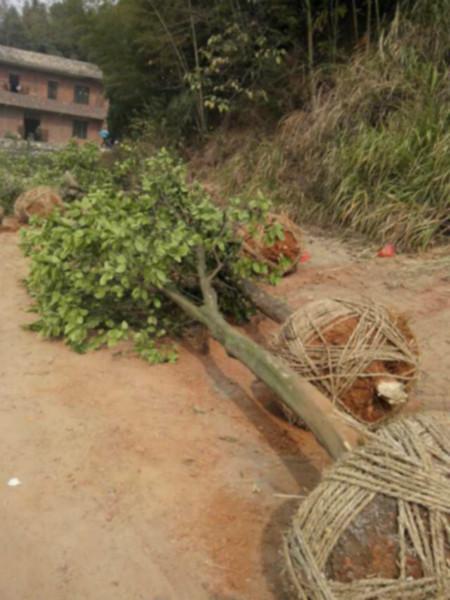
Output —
(39, 201)
(358, 353)
(378, 525)
(291, 247)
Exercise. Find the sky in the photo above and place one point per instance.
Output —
(20, 3)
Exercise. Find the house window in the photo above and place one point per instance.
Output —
(81, 94)
(79, 129)
(52, 90)
(14, 83)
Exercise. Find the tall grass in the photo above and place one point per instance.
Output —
(373, 154)
(393, 182)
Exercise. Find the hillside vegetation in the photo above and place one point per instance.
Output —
(370, 154)
(337, 110)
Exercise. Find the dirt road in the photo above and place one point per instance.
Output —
(170, 482)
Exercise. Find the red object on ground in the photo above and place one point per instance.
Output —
(305, 257)
(387, 251)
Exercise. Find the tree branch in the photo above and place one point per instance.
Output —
(181, 61)
(216, 271)
(200, 100)
(208, 292)
(275, 308)
(318, 412)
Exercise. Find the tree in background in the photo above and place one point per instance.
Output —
(12, 28)
(183, 64)
(51, 29)
(69, 20)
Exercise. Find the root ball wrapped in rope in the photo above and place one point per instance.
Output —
(289, 248)
(359, 354)
(39, 201)
(378, 526)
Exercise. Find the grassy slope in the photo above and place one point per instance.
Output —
(372, 155)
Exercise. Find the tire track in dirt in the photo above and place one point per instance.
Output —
(171, 482)
(138, 482)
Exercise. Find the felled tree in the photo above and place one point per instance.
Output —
(139, 264)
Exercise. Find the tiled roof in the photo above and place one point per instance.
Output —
(46, 105)
(49, 63)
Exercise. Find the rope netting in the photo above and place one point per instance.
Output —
(406, 463)
(39, 201)
(361, 355)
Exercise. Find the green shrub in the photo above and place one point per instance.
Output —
(372, 154)
(394, 182)
(101, 270)
(20, 171)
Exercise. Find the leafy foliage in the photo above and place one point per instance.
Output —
(38, 26)
(181, 61)
(100, 271)
(372, 155)
(231, 68)
(23, 170)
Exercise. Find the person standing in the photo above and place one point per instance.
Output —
(104, 134)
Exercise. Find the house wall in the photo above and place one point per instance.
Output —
(35, 82)
(59, 127)
(10, 120)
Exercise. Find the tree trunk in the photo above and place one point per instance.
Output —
(378, 17)
(334, 29)
(318, 412)
(276, 309)
(355, 21)
(200, 99)
(310, 37)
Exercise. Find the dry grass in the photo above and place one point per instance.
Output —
(373, 153)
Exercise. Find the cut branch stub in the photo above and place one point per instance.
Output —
(362, 356)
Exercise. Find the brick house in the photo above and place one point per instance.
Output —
(49, 98)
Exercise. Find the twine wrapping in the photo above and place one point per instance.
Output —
(408, 461)
(39, 201)
(346, 348)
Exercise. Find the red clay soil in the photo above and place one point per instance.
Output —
(290, 247)
(362, 399)
(353, 558)
(172, 482)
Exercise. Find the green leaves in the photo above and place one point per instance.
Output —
(231, 66)
(24, 170)
(121, 266)
(98, 272)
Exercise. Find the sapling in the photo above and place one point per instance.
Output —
(141, 263)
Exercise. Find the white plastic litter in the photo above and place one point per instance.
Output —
(14, 482)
